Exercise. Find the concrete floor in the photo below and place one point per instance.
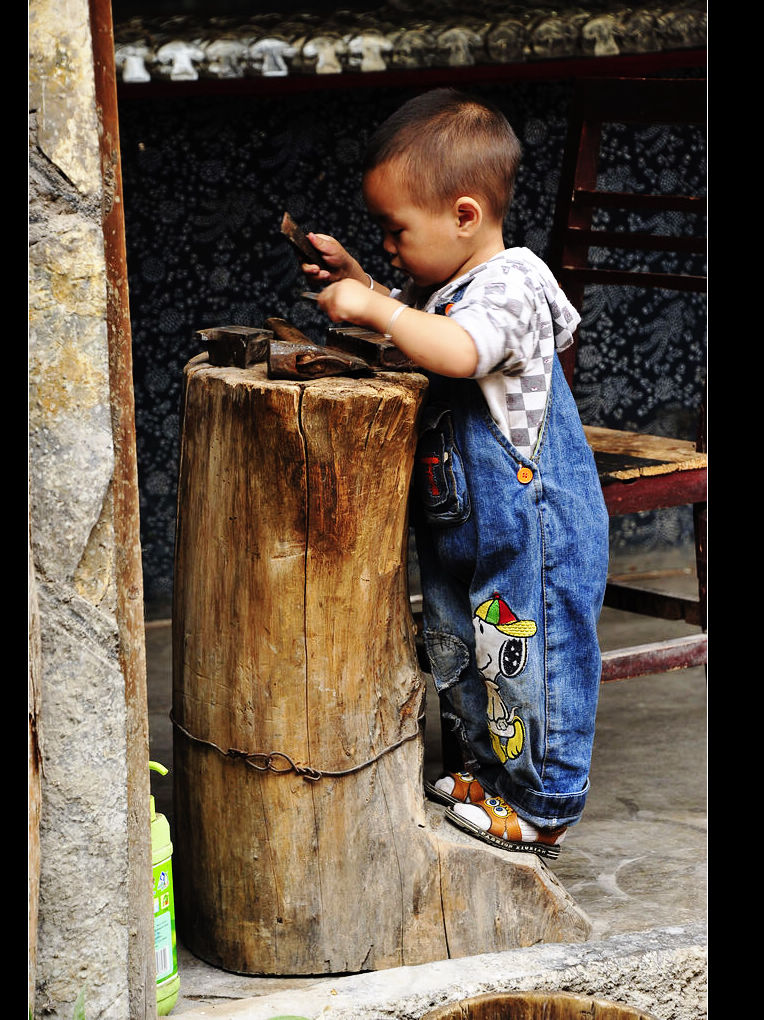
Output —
(637, 860)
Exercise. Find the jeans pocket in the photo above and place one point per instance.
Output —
(439, 478)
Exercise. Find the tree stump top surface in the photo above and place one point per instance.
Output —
(328, 385)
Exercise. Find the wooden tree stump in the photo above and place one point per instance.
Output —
(293, 644)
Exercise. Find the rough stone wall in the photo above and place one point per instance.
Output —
(661, 971)
(85, 922)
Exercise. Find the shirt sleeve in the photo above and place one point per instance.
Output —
(498, 310)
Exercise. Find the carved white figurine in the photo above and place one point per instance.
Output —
(269, 56)
(225, 57)
(178, 57)
(553, 36)
(506, 41)
(365, 51)
(131, 57)
(458, 44)
(682, 27)
(637, 32)
(413, 48)
(598, 36)
(323, 53)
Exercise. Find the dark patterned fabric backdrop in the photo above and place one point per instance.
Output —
(206, 181)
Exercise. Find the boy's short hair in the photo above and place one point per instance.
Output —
(449, 144)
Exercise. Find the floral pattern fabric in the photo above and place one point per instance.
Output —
(206, 181)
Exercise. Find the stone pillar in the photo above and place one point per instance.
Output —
(94, 929)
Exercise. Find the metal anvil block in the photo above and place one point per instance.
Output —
(240, 346)
(373, 347)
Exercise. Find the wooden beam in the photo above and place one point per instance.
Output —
(423, 78)
(649, 602)
(657, 657)
(655, 492)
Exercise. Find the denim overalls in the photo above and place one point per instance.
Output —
(513, 557)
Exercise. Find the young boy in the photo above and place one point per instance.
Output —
(511, 526)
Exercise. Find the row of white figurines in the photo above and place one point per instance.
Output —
(179, 50)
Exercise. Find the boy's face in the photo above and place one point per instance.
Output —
(423, 243)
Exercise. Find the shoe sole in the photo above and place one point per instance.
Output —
(540, 849)
(442, 798)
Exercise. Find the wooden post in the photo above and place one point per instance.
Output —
(303, 841)
(34, 779)
(127, 548)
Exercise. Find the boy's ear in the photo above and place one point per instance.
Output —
(469, 213)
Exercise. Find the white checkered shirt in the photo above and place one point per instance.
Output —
(516, 313)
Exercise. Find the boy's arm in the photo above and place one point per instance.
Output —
(343, 265)
(433, 342)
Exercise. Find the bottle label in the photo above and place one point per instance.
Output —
(165, 944)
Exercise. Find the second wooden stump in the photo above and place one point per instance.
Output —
(303, 843)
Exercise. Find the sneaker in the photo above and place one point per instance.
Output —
(495, 822)
(456, 788)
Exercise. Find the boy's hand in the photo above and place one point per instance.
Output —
(434, 342)
(348, 301)
(343, 265)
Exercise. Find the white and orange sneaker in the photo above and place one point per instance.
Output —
(456, 788)
(495, 822)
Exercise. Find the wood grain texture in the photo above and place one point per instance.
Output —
(292, 633)
(660, 454)
(549, 1005)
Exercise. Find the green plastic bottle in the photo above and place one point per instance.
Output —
(165, 944)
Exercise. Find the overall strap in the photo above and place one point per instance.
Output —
(445, 307)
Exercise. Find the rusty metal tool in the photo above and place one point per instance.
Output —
(240, 346)
(376, 348)
(292, 355)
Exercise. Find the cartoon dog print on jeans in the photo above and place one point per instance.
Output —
(501, 647)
